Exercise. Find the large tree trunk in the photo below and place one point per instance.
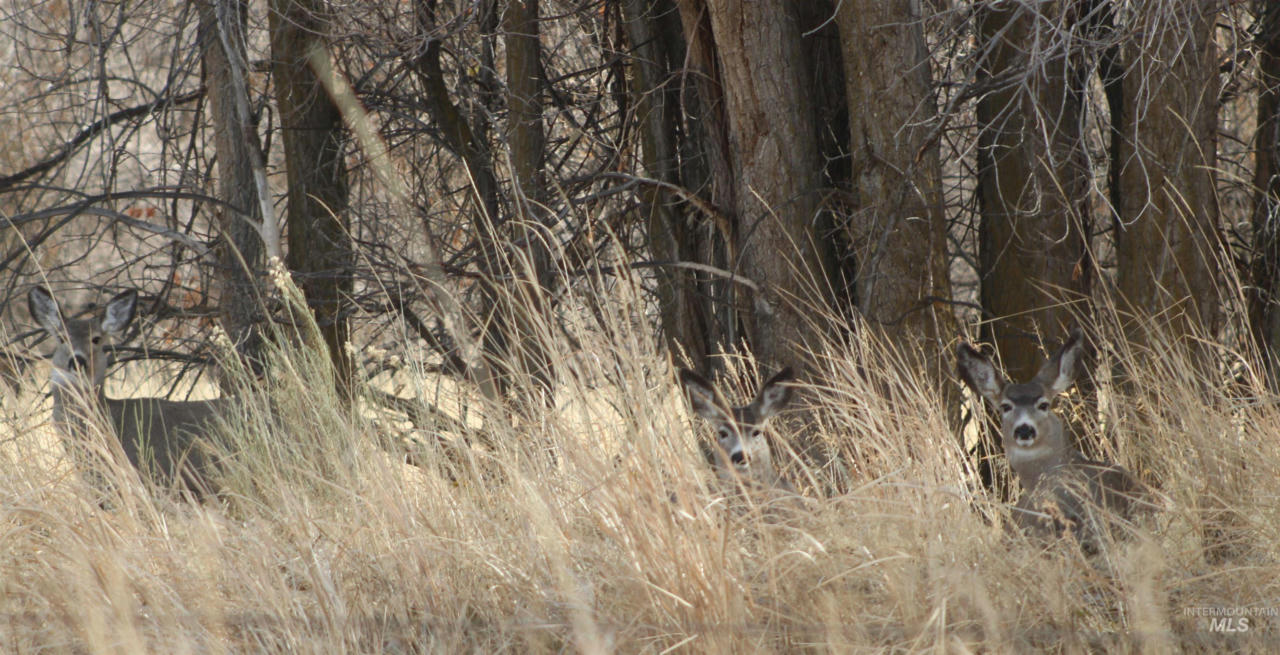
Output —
(773, 153)
(1033, 182)
(1167, 245)
(312, 133)
(1033, 188)
(1167, 242)
(898, 231)
(1264, 293)
(238, 150)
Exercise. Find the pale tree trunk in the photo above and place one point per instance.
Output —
(1033, 181)
(1167, 242)
(238, 148)
(312, 134)
(898, 231)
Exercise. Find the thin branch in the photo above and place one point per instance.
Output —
(87, 133)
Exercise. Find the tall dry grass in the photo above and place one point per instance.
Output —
(595, 525)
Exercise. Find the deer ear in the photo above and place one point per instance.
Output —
(1060, 372)
(977, 371)
(44, 309)
(119, 312)
(774, 394)
(703, 397)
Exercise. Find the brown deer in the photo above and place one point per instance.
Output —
(741, 452)
(1062, 491)
(157, 435)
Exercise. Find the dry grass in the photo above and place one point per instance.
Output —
(595, 526)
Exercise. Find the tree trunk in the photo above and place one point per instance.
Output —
(899, 229)
(773, 156)
(705, 168)
(1167, 246)
(466, 140)
(528, 295)
(1264, 305)
(1033, 188)
(312, 133)
(1033, 182)
(658, 51)
(238, 147)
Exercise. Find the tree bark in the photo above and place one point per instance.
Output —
(658, 53)
(706, 169)
(1167, 246)
(238, 147)
(898, 230)
(312, 133)
(1033, 181)
(529, 296)
(776, 167)
(1264, 303)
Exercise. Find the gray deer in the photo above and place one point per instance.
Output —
(741, 453)
(157, 435)
(1063, 492)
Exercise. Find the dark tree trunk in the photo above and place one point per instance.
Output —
(772, 153)
(528, 258)
(1033, 182)
(312, 133)
(658, 51)
(1264, 302)
(1167, 247)
(1033, 187)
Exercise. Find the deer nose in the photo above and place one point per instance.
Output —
(1024, 433)
(738, 457)
(79, 363)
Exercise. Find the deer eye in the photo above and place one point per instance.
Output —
(1043, 406)
(1005, 408)
(723, 434)
(96, 339)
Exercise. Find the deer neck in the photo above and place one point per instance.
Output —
(1031, 465)
(74, 407)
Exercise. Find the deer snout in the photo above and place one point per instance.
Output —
(1024, 433)
(738, 458)
(79, 364)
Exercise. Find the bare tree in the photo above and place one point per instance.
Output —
(769, 144)
(529, 264)
(658, 54)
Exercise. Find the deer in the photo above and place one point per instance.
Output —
(1063, 492)
(741, 453)
(158, 436)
